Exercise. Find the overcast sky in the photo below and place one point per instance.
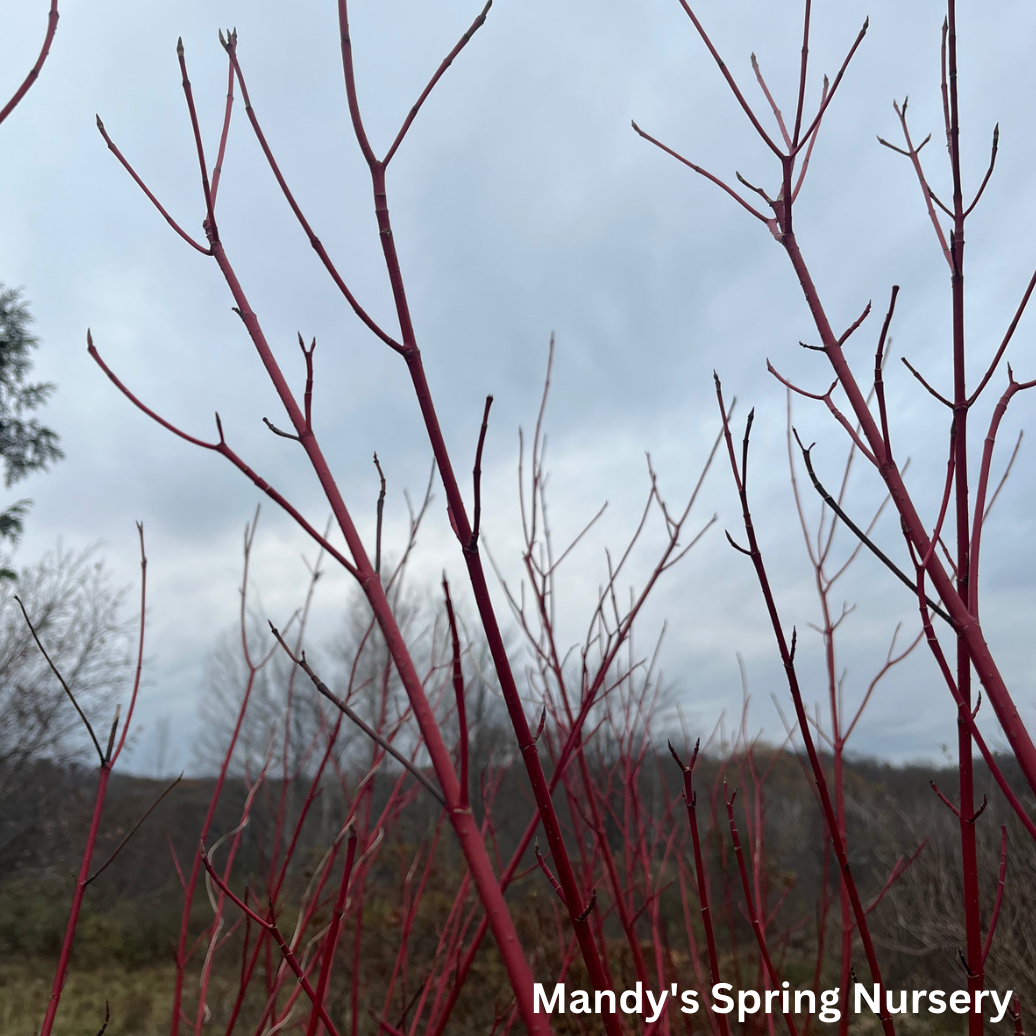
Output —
(523, 204)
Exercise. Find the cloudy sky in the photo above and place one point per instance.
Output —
(523, 204)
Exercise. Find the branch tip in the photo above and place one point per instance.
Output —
(673, 753)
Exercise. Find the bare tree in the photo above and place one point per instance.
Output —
(74, 606)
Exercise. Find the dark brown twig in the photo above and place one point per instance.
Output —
(458, 693)
(476, 512)
(107, 1018)
(132, 831)
(301, 662)
(381, 514)
(989, 171)
(64, 686)
(879, 367)
(860, 534)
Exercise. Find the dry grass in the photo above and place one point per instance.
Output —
(139, 998)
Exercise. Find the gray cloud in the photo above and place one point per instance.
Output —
(523, 204)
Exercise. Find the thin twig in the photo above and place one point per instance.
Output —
(734, 89)
(989, 171)
(34, 72)
(221, 447)
(702, 172)
(132, 831)
(917, 374)
(446, 62)
(325, 259)
(476, 513)
(64, 686)
(301, 662)
(271, 927)
(879, 367)
(815, 124)
(188, 92)
(861, 535)
(458, 692)
(147, 191)
(381, 514)
(217, 169)
(107, 1018)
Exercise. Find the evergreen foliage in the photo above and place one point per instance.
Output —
(26, 445)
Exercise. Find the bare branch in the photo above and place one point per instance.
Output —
(446, 62)
(860, 534)
(132, 831)
(61, 680)
(34, 72)
(342, 707)
(147, 191)
(938, 395)
(703, 172)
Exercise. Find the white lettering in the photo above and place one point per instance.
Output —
(656, 1005)
(579, 1002)
(1001, 1007)
(873, 1002)
(960, 1002)
(743, 1010)
(638, 1000)
(725, 1003)
(890, 1004)
(751, 1002)
(548, 1005)
(689, 999)
(829, 1011)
